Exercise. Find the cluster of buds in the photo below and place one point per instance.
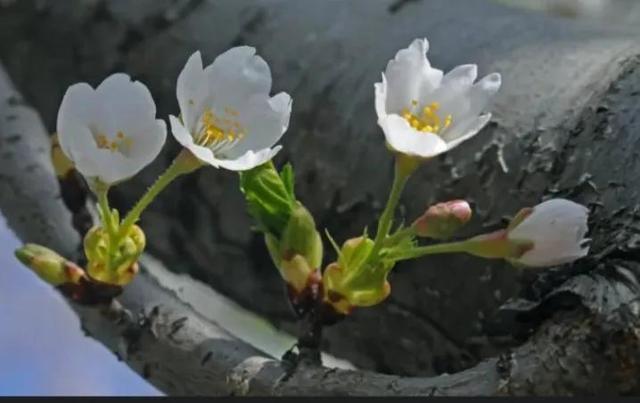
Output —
(113, 260)
(354, 282)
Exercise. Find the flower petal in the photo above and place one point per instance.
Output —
(236, 76)
(452, 95)
(183, 137)
(265, 120)
(557, 229)
(482, 93)
(126, 105)
(465, 130)
(192, 91)
(250, 159)
(405, 139)
(147, 143)
(410, 76)
(381, 97)
(78, 107)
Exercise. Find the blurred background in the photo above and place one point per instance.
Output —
(42, 348)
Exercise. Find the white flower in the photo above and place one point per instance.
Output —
(110, 133)
(555, 229)
(424, 113)
(228, 119)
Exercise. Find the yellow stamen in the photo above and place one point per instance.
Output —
(102, 141)
(122, 142)
(428, 120)
(216, 129)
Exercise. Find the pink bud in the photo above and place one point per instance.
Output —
(442, 220)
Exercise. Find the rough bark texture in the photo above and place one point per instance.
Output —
(565, 124)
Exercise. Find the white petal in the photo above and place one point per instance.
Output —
(80, 146)
(453, 93)
(236, 76)
(481, 94)
(250, 159)
(183, 137)
(465, 130)
(557, 228)
(265, 120)
(460, 78)
(381, 97)
(78, 107)
(192, 91)
(126, 105)
(405, 139)
(147, 143)
(410, 77)
(93, 162)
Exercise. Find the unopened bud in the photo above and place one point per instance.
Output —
(48, 265)
(96, 243)
(355, 252)
(115, 266)
(344, 294)
(549, 234)
(442, 220)
(351, 282)
(300, 237)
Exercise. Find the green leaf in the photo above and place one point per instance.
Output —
(269, 199)
(288, 179)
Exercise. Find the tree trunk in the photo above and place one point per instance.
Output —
(564, 124)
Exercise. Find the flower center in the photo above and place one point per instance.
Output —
(218, 132)
(426, 120)
(122, 142)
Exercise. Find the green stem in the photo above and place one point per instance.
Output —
(105, 210)
(184, 163)
(403, 170)
(452, 247)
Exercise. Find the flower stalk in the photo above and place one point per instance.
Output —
(184, 163)
(404, 167)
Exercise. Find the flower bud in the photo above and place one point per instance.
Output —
(556, 231)
(300, 237)
(548, 234)
(48, 265)
(298, 253)
(96, 244)
(119, 265)
(355, 252)
(442, 220)
(344, 295)
(350, 282)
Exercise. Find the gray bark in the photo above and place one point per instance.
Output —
(564, 124)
